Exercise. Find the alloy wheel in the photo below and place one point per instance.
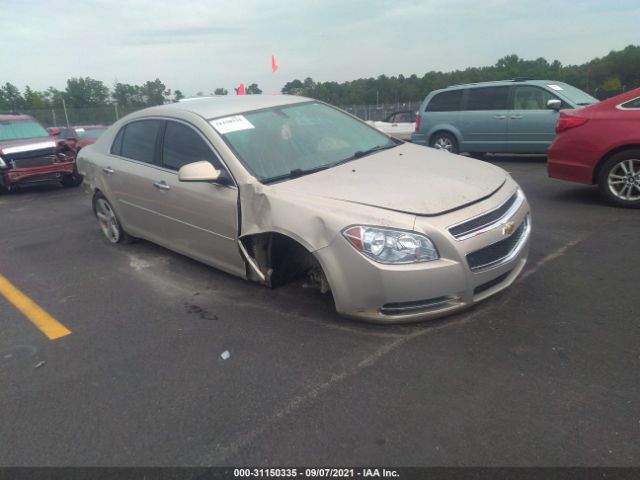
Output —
(624, 180)
(107, 220)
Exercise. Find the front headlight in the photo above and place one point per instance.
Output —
(391, 246)
(2, 164)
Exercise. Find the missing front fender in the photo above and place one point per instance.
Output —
(274, 260)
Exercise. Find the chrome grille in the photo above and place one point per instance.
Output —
(33, 161)
(497, 252)
(467, 228)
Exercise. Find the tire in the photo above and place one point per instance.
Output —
(619, 179)
(444, 141)
(72, 180)
(108, 221)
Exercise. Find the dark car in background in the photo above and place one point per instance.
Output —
(76, 138)
(600, 145)
(29, 155)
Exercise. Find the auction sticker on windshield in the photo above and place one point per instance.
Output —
(231, 124)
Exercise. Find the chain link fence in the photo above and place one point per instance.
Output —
(380, 111)
(60, 117)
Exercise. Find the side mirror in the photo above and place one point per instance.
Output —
(199, 172)
(554, 104)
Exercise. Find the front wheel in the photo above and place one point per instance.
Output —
(71, 180)
(619, 179)
(108, 221)
(444, 141)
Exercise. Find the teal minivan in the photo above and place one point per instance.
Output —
(509, 116)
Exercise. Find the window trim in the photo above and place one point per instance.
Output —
(621, 106)
(160, 142)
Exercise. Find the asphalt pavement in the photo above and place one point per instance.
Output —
(545, 373)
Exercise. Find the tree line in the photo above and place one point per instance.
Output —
(619, 70)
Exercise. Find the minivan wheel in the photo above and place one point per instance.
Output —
(619, 179)
(108, 221)
(444, 141)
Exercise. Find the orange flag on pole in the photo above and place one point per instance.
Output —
(241, 90)
(274, 65)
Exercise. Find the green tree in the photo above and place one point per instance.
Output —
(153, 92)
(253, 89)
(86, 92)
(10, 98)
(35, 100)
(221, 91)
(177, 96)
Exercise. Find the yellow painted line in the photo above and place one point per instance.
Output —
(46, 323)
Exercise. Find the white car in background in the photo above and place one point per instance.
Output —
(399, 124)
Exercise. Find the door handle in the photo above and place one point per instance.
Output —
(108, 170)
(500, 117)
(162, 185)
(516, 117)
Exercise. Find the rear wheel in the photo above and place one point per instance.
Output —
(619, 179)
(444, 141)
(108, 221)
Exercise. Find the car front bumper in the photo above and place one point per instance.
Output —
(371, 291)
(52, 172)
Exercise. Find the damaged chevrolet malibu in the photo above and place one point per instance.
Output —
(277, 188)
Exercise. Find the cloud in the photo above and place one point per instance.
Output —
(163, 36)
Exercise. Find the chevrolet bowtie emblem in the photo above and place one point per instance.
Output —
(508, 228)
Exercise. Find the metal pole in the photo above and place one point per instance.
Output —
(53, 114)
(115, 106)
(64, 106)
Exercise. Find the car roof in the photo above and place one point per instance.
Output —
(499, 83)
(12, 117)
(224, 105)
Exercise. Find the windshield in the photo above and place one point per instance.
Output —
(93, 133)
(21, 130)
(575, 95)
(286, 141)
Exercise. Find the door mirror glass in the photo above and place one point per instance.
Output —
(198, 172)
(554, 104)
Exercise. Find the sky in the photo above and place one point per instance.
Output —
(200, 45)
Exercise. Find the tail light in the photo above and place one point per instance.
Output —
(417, 123)
(566, 123)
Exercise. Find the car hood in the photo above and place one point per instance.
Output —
(16, 147)
(408, 178)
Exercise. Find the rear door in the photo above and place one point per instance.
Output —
(483, 121)
(531, 126)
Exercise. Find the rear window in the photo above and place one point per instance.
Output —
(445, 102)
(488, 98)
(635, 103)
(21, 130)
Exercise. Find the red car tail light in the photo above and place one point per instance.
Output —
(417, 123)
(566, 123)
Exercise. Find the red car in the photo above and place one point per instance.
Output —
(29, 155)
(600, 144)
(78, 137)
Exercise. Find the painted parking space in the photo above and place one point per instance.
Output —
(47, 324)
